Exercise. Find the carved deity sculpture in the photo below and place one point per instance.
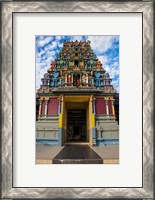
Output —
(61, 63)
(69, 79)
(53, 64)
(84, 79)
(98, 64)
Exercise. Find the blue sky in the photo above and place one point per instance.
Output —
(105, 47)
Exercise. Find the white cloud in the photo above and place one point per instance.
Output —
(101, 44)
(103, 59)
(58, 38)
(44, 40)
(41, 69)
(113, 73)
(76, 38)
(107, 68)
(41, 53)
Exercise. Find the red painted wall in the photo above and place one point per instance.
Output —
(43, 108)
(100, 106)
(53, 106)
(110, 107)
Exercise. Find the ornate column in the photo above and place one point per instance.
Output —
(46, 105)
(40, 106)
(80, 80)
(60, 82)
(65, 79)
(60, 128)
(59, 104)
(107, 108)
(87, 79)
(113, 109)
(72, 79)
(93, 102)
(92, 82)
(93, 121)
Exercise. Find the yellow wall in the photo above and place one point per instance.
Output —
(90, 120)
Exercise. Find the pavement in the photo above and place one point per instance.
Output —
(107, 152)
(45, 153)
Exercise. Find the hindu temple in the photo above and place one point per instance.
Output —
(76, 100)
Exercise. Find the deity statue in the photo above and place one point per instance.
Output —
(53, 64)
(84, 78)
(98, 64)
(71, 63)
(69, 79)
(54, 78)
(61, 63)
(81, 64)
(98, 83)
(91, 63)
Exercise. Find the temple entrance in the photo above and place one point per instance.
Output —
(76, 125)
(76, 119)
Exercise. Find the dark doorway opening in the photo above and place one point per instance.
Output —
(76, 125)
(76, 61)
(76, 80)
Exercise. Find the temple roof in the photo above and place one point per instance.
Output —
(77, 66)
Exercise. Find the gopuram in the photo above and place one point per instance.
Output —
(76, 100)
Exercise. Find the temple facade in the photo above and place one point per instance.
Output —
(76, 100)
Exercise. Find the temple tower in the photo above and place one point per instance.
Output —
(76, 100)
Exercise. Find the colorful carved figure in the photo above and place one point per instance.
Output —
(71, 63)
(69, 79)
(98, 82)
(84, 79)
(81, 63)
(53, 64)
(98, 64)
(54, 82)
(61, 63)
(91, 63)
(97, 79)
(54, 78)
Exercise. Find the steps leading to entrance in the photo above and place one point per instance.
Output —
(77, 143)
(77, 154)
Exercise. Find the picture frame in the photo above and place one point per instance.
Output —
(7, 10)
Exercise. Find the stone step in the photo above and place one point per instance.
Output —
(77, 154)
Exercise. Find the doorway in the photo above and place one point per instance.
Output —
(76, 125)
(76, 80)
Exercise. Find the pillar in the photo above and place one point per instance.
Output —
(59, 104)
(87, 79)
(60, 129)
(93, 122)
(92, 82)
(65, 79)
(40, 105)
(80, 80)
(60, 82)
(72, 78)
(94, 107)
(107, 109)
(46, 105)
(113, 109)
